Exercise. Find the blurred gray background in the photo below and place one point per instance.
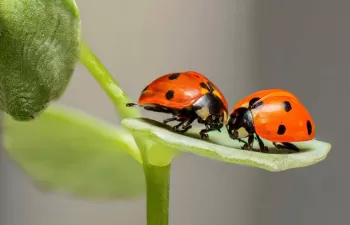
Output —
(242, 46)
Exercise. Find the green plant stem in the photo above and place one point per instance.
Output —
(157, 184)
(157, 178)
(107, 82)
(157, 181)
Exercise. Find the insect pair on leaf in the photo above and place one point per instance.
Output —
(274, 114)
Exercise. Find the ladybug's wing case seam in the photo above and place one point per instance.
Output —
(275, 93)
(259, 94)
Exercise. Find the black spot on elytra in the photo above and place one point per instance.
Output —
(309, 127)
(281, 129)
(169, 95)
(145, 88)
(203, 85)
(253, 101)
(174, 76)
(287, 106)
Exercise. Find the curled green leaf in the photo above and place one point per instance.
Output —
(70, 152)
(39, 49)
(221, 147)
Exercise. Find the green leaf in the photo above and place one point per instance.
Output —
(70, 152)
(39, 49)
(221, 147)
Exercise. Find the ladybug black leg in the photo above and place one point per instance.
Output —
(240, 140)
(249, 145)
(185, 128)
(170, 119)
(176, 127)
(263, 148)
(290, 146)
(277, 145)
(209, 127)
(286, 145)
(188, 125)
(204, 134)
(185, 123)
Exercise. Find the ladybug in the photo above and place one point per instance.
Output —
(275, 115)
(187, 96)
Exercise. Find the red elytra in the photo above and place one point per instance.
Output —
(276, 115)
(187, 96)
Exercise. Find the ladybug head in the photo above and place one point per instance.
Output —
(240, 123)
(211, 109)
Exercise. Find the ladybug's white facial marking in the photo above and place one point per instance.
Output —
(240, 123)
(239, 133)
(242, 133)
(225, 118)
(203, 113)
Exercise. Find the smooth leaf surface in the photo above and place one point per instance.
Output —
(39, 49)
(68, 151)
(221, 147)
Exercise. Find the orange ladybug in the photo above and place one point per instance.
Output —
(187, 96)
(275, 115)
